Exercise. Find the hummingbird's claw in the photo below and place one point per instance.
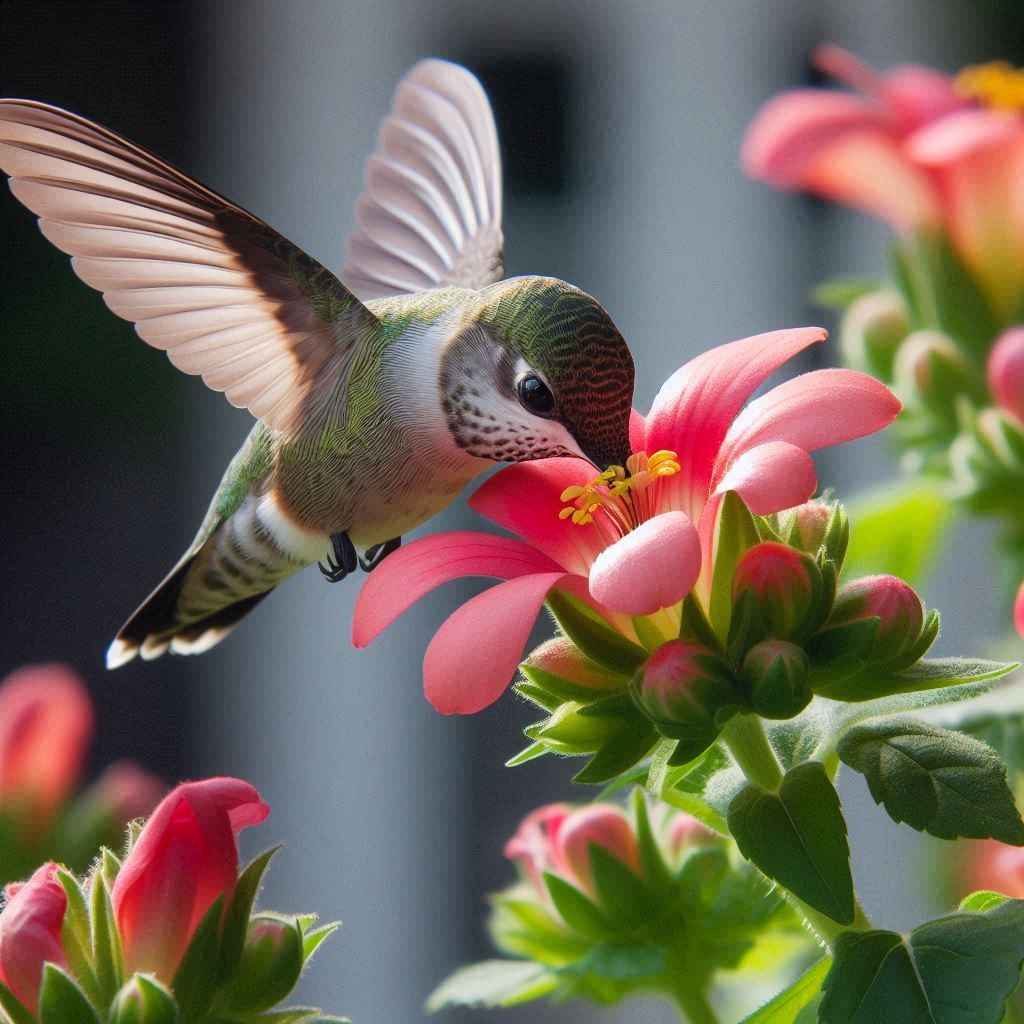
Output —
(376, 554)
(342, 559)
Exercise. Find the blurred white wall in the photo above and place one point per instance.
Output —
(375, 794)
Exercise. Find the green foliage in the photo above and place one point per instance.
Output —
(593, 636)
(143, 1000)
(199, 971)
(935, 780)
(787, 1006)
(841, 292)
(236, 919)
(958, 969)
(898, 530)
(737, 532)
(492, 983)
(61, 1001)
(797, 837)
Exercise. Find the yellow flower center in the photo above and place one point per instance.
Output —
(623, 495)
(997, 84)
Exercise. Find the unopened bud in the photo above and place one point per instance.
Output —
(685, 832)
(929, 367)
(602, 825)
(688, 692)
(816, 524)
(782, 583)
(893, 602)
(872, 330)
(143, 1000)
(271, 963)
(1006, 371)
(776, 672)
(567, 731)
(560, 660)
(533, 845)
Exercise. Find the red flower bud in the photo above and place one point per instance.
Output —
(1006, 371)
(602, 825)
(686, 690)
(561, 658)
(995, 866)
(30, 933)
(46, 723)
(533, 845)
(783, 583)
(777, 673)
(889, 599)
(806, 525)
(184, 860)
(125, 791)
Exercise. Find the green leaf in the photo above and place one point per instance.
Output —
(593, 636)
(199, 971)
(958, 969)
(108, 959)
(578, 912)
(786, 1006)
(13, 1007)
(492, 983)
(236, 920)
(798, 838)
(61, 1001)
(898, 530)
(841, 292)
(736, 533)
(983, 899)
(936, 781)
(927, 674)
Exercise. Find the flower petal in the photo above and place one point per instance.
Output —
(962, 134)
(526, 499)
(1018, 611)
(637, 431)
(811, 411)
(693, 410)
(412, 571)
(917, 95)
(771, 477)
(473, 656)
(655, 566)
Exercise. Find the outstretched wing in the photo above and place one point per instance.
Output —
(430, 213)
(215, 287)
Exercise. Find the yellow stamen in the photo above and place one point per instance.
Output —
(620, 492)
(997, 84)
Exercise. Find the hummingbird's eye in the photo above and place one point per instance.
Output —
(534, 395)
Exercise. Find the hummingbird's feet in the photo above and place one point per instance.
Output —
(377, 554)
(342, 559)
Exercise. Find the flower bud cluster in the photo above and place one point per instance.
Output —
(178, 918)
(788, 630)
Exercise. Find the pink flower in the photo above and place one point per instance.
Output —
(781, 582)
(995, 866)
(184, 860)
(638, 551)
(46, 722)
(914, 147)
(1018, 610)
(1006, 371)
(30, 933)
(533, 845)
(125, 791)
(892, 601)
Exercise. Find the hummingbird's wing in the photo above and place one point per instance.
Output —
(430, 213)
(219, 290)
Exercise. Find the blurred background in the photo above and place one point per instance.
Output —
(620, 125)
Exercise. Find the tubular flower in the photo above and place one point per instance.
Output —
(30, 933)
(916, 147)
(46, 723)
(629, 543)
(184, 860)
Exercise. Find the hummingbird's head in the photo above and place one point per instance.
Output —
(538, 369)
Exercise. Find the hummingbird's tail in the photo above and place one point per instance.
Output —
(218, 581)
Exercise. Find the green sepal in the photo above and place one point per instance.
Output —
(493, 983)
(143, 1000)
(798, 838)
(61, 1001)
(535, 695)
(529, 753)
(75, 936)
(619, 753)
(107, 956)
(110, 867)
(937, 781)
(557, 687)
(314, 938)
(593, 636)
(578, 912)
(199, 972)
(736, 533)
(982, 900)
(879, 977)
(927, 674)
(788, 1004)
(236, 919)
(623, 897)
(654, 869)
(13, 1007)
(695, 627)
(841, 292)
(568, 731)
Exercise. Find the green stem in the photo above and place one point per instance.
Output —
(747, 742)
(694, 1005)
(821, 924)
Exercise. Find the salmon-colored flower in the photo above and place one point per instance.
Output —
(184, 860)
(913, 146)
(626, 545)
(30, 933)
(1006, 371)
(995, 866)
(46, 723)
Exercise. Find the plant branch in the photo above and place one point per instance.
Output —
(747, 742)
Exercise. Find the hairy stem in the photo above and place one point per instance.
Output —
(747, 742)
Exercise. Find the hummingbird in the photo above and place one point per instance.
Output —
(378, 393)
